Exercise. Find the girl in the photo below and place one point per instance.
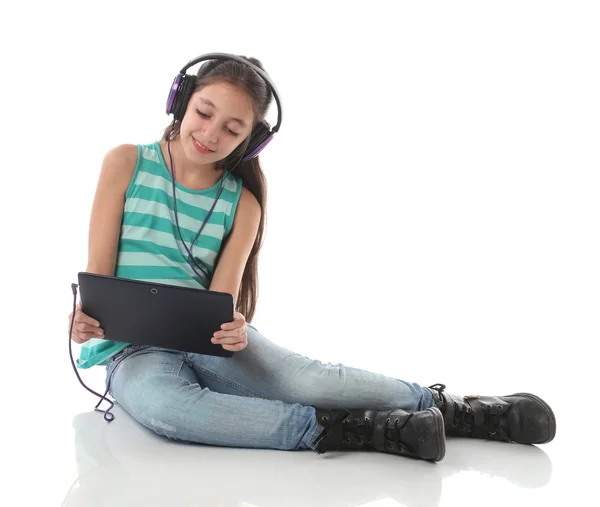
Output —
(205, 174)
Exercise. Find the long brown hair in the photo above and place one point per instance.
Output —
(253, 178)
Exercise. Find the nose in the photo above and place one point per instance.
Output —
(210, 133)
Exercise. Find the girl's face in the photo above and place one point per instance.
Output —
(218, 117)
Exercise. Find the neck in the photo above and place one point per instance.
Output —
(189, 174)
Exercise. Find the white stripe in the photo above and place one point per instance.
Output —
(180, 283)
(150, 154)
(167, 240)
(230, 184)
(135, 205)
(197, 200)
(148, 259)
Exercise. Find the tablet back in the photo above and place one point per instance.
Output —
(146, 313)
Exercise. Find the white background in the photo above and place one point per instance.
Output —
(433, 208)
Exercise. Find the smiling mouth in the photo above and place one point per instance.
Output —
(199, 144)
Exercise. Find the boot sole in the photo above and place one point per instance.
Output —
(441, 434)
(548, 411)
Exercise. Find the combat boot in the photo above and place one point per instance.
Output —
(414, 434)
(522, 417)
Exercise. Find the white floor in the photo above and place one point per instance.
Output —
(85, 461)
(144, 469)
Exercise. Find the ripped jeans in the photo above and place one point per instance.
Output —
(262, 397)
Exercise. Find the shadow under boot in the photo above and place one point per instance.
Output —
(519, 418)
(414, 434)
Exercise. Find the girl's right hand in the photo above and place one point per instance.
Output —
(84, 326)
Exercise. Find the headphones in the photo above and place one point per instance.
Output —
(183, 87)
(177, 102)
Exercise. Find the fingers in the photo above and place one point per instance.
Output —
(232, 333)
(239, 321)
(234, 339)
(79, 337)
(84, 327)
(230, 337)
(228, 340)
(85, 319)
(236, 347)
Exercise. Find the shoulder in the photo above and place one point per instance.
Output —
(123, 156)
(248, 208)
(248, 202)
(247, 214)
(119, 165)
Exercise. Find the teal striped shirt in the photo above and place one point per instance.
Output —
(149, 245)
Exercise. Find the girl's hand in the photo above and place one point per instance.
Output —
(233, 336)
(84, 327)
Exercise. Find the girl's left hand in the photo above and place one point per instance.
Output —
(233, 335)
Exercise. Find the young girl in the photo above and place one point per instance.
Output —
(190, 211)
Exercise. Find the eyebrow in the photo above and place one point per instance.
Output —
(239, 120)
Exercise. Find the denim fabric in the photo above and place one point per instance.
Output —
(262, 397)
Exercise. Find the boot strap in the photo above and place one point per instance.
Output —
(379, 431)
(336, 433)
(476, 407)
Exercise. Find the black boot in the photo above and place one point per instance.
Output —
(521, 417)
(415, 434)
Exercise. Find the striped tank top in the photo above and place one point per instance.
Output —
(149, 245)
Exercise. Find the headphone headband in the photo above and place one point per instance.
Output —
(258, 70)
(182, 84)
(183, 88)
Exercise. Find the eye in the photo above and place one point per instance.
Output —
(228, 130)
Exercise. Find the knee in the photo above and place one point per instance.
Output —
(156, 405)
(325, 381)
(154, 410)
(417, 397)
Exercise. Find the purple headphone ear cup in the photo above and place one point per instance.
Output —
(183, 87)
(261, 136)
(173, 93)
(186, 88)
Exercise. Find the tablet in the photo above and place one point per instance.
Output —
(156, 314)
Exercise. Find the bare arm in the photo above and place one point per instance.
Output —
(105, 228)
(230, 268)
(107, 211)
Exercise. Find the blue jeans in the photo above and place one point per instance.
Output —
(262, 397)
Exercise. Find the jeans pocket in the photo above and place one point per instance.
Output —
(116, 356)
(119, 357)
(130, 349)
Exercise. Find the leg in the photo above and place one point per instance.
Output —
(267, 370)
(160, 390)
(362, 410)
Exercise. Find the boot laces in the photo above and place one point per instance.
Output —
(359, 433)
(440, 388)
(465, 418)
(364, 432)
(401, 446)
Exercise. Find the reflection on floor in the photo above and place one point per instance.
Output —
(123, 463)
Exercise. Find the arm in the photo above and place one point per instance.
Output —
(105, 228)
(230, 267)
(107, 211)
